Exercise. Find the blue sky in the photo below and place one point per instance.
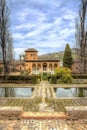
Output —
(46, 25)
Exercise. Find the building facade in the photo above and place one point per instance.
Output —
(36, 64)
(30, 61)
(76, 67)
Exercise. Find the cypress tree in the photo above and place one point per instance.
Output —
(67, 59)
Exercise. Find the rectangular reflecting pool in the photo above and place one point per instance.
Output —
(71, 92)
(27, 92)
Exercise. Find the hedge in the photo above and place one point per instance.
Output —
(49, 77)
(19, 79)
(79, 76)
(53, 80)
(74, 76)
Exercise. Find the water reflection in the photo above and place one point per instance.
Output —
(16, 92)
(85, 92)
(71, 92)
(61, 92)
(23, 92)
(27, 92)
(2, 92)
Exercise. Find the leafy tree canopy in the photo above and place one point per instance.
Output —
(65, 75)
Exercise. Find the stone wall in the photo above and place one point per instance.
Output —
(10, 113)
(76, 112)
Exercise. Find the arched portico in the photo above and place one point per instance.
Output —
(33, 66)
(44, 66)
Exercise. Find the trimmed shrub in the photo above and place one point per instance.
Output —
(20, 79)
(79, 76)
(33, 79)
(53, 80)
(66, 78)
(45, 76)
(64, 75)
(25, 72)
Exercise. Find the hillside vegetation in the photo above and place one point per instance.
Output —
(59, 55)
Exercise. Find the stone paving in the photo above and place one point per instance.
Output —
(44, 90)
(43, 115)
(32, 104)
(43, 125)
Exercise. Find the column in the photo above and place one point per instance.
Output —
(41, 67)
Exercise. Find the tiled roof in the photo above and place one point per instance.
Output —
(31, 50)
(43, 60)
(48, 59)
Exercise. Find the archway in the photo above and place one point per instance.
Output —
(44, 66)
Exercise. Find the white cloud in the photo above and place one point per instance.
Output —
(50, 44)
(69, 14)
(23, 14)
(17, 36)
(65, 33)
(18, 51)
(23, 26)
(58, 21)
(41, 24)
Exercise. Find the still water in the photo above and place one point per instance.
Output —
(17, 92)
(71, 92)
(60, 92)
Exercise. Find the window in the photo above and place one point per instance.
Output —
(38, 67)
(32, 54)
(44, 66)
(55, 65)
(50, 66)
(26, 57)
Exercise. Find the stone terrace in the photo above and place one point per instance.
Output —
(32, 104)
(44, 125)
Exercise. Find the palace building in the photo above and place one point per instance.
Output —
(36, 64)
(30, 61)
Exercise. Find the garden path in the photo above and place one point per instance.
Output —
(44, 90)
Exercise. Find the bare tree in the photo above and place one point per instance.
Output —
(0, 53)
(81, 36)
(9, 50)
(83, 45)
(5, 39)
(77, 35)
